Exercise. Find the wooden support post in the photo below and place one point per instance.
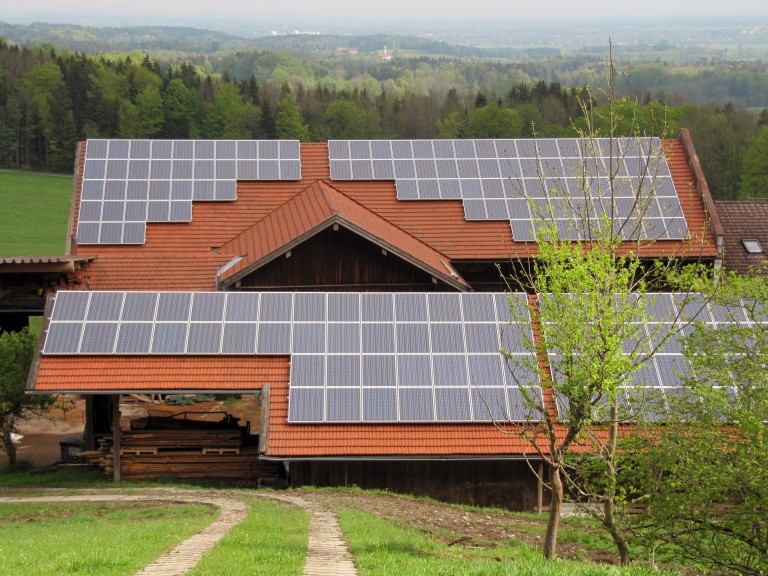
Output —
(117, 476)
(540, 489)
(90, 437)
(264, 429)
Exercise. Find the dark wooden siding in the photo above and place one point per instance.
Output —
(341, 260)
(506, 484)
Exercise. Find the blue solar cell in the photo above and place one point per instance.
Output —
(113, 212)
(268, 149)
(90, 211)
(162, 149)
(362, 170)
(63, 338)
(343, 307)
(377, 338)
(169, 338)
(411, 307)
(290, 170)
(379, 405)
(402, 149)
(205, 149)
(306, 405)
(239, 339)
(377, 306)
(519, 410)
(383, 170)
(444, 307)
(309, 338)
(274, 338)
(450, 189)
(452, 405)
(247, 169)
(242, 307)
(247, 150)
(134, 232)
(119, 148)
(204, 190)
(208, 306)
(183, 169)
(443, 149)
(204, 338)
(338, 149)
(139, 306)
(379, 370)
(425, 169)
(417, 405)
(138, 169)
(181, 211)
(485, 149)
(174, 306)
(105, 306)
(428, 189)
(404, 169)
(341, 170)
(482, 337)
(276, 307)
(181, 190)
(111, 233)
(226, 150)
(158, 211)
(407, 190)
(471, 188)
(92, 190)
(137, 190)
(486, 370)
(412, 338)
(381, 150)
(97, 148)
(474, 209)
(309, 306)
(359, 150)
(307, 370)
(344, 337)
(489, 404)
(95, 169)
(226, 190)
(343, 404)
(447, 338)
(290, 149)
(70, 305)
(160, 169)
(183, 149)
(269, 170)
(449, 369)
(99, 338)
(343, 370)
(134, 338)
(464, 148)
(423, 149)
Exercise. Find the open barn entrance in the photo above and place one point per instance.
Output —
(204, 437)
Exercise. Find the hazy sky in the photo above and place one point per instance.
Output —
(146, 11)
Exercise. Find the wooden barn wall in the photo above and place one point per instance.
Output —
(341, 260)
(506, 484)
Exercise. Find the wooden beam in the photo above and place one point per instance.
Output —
(264, 431)
(117, 476)
(90, 437)
(540, 489)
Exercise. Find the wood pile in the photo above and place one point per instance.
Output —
(244, 467)
(218, 454)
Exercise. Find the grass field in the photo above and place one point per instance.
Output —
(34, 213)
(108, 539)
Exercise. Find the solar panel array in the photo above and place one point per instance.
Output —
(527, 182)
(355, 357)
(128, 183)
(671, 318)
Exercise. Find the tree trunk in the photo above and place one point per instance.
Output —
(609, 506)
(9, 446)
(553, 522)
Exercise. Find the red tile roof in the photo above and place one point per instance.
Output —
(316, 208)
(112, 374)
(185, 256)
(743, 220)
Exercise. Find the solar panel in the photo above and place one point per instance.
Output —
(134, 338)
(177, 170)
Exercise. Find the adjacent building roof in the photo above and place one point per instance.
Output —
(744, 221)
(129, 374)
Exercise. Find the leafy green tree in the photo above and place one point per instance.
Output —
(288, 121)
(180, 110)
(452, 126)
(16, 353)
(705, 470)
(593, 311)
(348, 120)
(144, 119)
(230, 117)
(494, 121)
(754, 171)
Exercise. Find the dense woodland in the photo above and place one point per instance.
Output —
(49, 100)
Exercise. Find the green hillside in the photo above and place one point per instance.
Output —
(34, 213)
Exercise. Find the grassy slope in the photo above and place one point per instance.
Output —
(108, 539)
(34, 213)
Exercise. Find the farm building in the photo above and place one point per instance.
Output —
(355, 284)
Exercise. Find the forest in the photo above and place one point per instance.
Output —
(51, 99)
